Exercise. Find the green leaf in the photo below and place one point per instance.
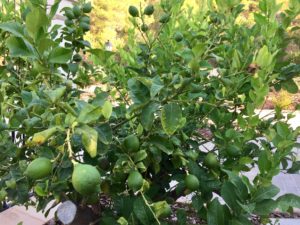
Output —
(171, 118)
(265, 193)
(265, 207)
(39, 191)
(288, 200)
(14, 28)
(55, 95)
(19, 47)
(264, 164)
(138, 92)
(107, 109)
(147, 115)
(89, 138)
(35, 20)
(264, 58)
(217, 214)
(140, 155)
(290, 86)
(228, 193)
(142, 212)
(60, 55)
(89, 114)
(156, 86)
(162, 144)
(105, 133)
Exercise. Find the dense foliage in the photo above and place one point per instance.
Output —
(181, 106)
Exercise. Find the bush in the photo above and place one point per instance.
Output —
(168, 98)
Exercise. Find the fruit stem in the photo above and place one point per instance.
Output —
(70, 151)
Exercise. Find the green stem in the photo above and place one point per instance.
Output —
(147, 204)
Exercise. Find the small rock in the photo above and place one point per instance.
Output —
(66, 212)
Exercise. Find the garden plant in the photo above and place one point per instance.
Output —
(176, 114)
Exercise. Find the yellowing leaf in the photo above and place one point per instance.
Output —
(89, 138)
(41, 137)
(107, 110)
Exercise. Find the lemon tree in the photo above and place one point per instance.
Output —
(177, 112)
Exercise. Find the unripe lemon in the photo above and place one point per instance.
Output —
(149, 10)
(132, 143)
(69, 14)
(164, 18)
(76, 11)
(192, 182)
(133, 11)
(178, 36)
(86, 179)
(87, 7)
(39, 168)
(211, 161)
(135, 181)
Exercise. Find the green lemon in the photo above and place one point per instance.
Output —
(233, 151)
(69, 22)
(77, 57)
(69, 14)
(84, 26)
(76, 11)
(149, 10)
(87, 7)
(39, 168)
(164, 18)
(133, 11)
(178, 36)
(192, 182)
(85, 19)
(132, 143)
(135, 181)
(144, 27)
(86, 179)
(211, 161)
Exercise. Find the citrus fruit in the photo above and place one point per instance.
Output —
(84, 26)
(144, 27)
(135, 181)
(86, 179)
(76, 11)
(192, 182)
(233, 150)
(69, 22)
(178, 36)
(164, 18)
(132, 143)
(39, 168)
(211, 160)
(69, 14)
(77, 58)
(87, 7)
(133, 11)
(85, 19)
(149, 10)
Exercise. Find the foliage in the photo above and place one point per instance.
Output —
(146, 130)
